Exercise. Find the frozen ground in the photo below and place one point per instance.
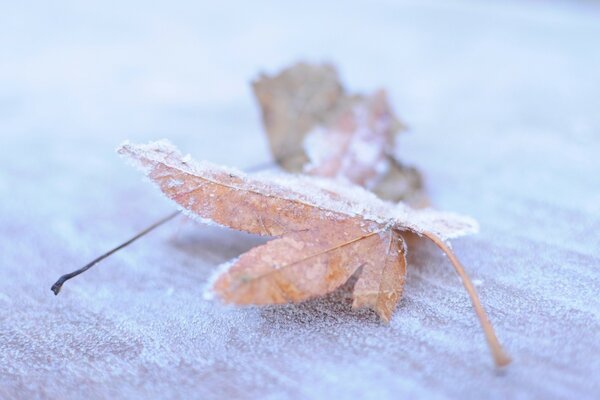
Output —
(503, 100)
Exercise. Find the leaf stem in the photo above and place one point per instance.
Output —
(500, 357)
(58, 284)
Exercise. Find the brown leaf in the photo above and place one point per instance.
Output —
(314, 126)
(326, 234)
(381, 281)
(354, 146)
(325, 231)
(296, 267)
(293, 102)
(403, 183)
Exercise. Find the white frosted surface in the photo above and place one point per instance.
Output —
(502, 100)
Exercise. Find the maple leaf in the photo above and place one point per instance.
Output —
(324, 231)
(315, 127)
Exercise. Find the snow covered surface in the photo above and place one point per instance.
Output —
(502, 99)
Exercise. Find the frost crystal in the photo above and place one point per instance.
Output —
(325, 194)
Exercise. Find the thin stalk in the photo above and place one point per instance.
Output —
(60, 282)
(500, 357)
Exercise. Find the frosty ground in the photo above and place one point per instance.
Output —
(502, 102)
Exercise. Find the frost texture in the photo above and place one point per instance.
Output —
(325, 194)
(355, 148)
(523, 161)
(208, 293)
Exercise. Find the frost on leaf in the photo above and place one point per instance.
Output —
(325, 232)
(315, 127)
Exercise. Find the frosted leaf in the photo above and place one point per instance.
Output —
(163, 162)
(445, 225)
(293, 102)
(326, 232)
(324, 194)
(315, 126)
(355, 146)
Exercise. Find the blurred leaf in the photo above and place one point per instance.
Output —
(315, 127)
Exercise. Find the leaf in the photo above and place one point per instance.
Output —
(295, 101)
(314, 126)
(325, 231)
(380, 284)
(404, 183)
(354, 146)
(295, 267)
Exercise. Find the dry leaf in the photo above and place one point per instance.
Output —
(338, 228)
(325, 231)
(295, 101)
(316, 127)
(403, 183)
(353, 146)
